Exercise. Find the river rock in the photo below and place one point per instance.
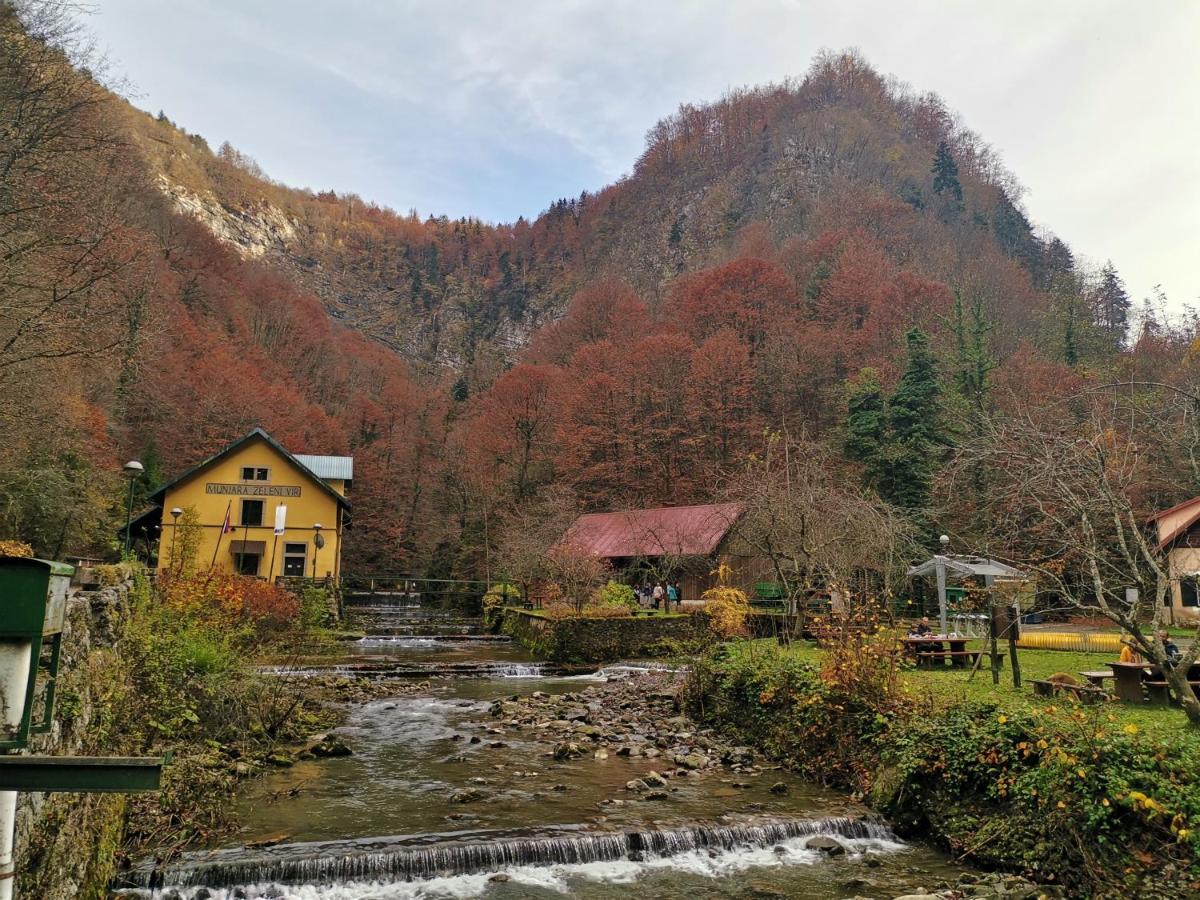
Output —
(656, 795)
(636, 785)
(467, 795)
(567, 750)
(576, 714)
(691, 760)
(737, 756)
(499, 877)
(282, 760)
(653, 779)
(331, 747)
(826, 845)
(779, 787)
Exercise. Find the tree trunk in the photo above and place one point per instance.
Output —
(1176, 677)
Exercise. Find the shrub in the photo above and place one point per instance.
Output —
(615, 595)
(501, 595)
(727, 609)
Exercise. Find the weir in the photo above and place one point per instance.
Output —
(415, 857)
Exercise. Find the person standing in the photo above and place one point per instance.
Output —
(659, 593)
(672, 595)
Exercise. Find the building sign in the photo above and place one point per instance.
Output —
(253, 490)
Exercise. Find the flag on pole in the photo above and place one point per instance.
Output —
(228, 524)
(280, 518)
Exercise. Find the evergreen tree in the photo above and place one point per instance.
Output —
(866, 421)
(973, 360)
(1111, 304)
(914, 419)
(945, 173)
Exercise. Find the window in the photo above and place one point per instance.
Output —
(255, 473)
(252, 512)
(294, 556)
(246, 563)
(1189, 590)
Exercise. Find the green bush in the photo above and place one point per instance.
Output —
(615, 595)
(315, 608)
(501, 594)
(1065, 794)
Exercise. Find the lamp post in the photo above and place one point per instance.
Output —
(176, 512)
(318, 543)
(939, 565)
(133, 471)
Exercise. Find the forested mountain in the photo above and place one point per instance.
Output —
(774, 263)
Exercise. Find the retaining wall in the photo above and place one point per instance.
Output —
(66, 844)
(599, 640)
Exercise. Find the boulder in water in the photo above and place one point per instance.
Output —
(331, 747)
(567, 750)
(653, 779)
(779, 787)
(826, 845)
(467, 795)
(500, 876)
(656, 795)
(636, 785)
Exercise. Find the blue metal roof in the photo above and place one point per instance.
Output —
(328, 467)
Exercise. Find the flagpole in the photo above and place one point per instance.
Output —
(220, 534)
(271, 570)
(280, 525)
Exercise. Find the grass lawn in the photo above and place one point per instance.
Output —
(947, 687)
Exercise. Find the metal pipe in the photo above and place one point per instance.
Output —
(15, 660)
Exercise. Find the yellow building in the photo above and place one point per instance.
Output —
(262, 511)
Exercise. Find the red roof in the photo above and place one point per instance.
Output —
(666, 531)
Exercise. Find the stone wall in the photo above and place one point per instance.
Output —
(600, 640)
(67, 843)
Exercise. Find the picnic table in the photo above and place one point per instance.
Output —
(931, 650)
(1136, 682)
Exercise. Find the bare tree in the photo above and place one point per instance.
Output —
(1067, 490)
(816, 528)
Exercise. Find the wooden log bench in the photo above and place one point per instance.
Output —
(1084, 693)
(1097, 677)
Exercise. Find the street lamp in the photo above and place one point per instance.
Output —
(939, 564)
(318, 543)
(133, 471)
(176, 512)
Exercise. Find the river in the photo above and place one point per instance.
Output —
(440, 800)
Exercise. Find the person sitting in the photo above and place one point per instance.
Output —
(921, 629)
(1169, 647)
(1128, 653)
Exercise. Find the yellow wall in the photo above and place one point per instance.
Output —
(314, 505)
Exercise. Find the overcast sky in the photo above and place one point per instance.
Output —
(495, 109)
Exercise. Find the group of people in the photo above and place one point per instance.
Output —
(654, 596)
(1130, 655)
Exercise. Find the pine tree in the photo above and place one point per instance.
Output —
(1111, 304)
(866, 421)
(945, 173)
(914, 420)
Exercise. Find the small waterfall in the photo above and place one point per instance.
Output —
(391, 669)
(406, 859)
(521, 670)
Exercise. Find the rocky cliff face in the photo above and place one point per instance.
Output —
(253, 231)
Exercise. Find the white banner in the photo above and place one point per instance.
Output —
(280, 518)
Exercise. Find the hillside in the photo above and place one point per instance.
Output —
(768, 253)
(840, 150)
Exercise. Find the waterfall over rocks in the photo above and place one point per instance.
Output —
(428, 856)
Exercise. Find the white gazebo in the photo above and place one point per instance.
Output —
(962, 567)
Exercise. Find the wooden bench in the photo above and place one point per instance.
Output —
(958, 658)
(1096, 678)
(1159, 692)
(1084, 693)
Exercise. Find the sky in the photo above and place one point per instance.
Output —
(496, 109)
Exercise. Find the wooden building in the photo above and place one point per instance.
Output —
(1178, 532)
(259, 509)
(684, 543)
